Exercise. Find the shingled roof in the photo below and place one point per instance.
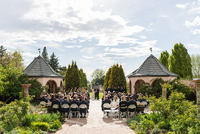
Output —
(152, 67)
(40, 68)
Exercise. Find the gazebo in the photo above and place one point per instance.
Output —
(41, 70)
(151, 69)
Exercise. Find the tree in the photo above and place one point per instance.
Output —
(164, 56)
(75, 77)
(180, 62)
(13, 57)
(106, 78)
(115, 77)
(98, 76)
(45, 54)
(53, 62)
(61, 70)
(195, 61)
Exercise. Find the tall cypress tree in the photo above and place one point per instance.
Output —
(122, 76)
(107, 77)
(53, 62)
(164, 56)
(180, 61)
(45, 54)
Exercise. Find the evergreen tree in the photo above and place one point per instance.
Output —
(75, 77)
(45, 54)
(53, 62)
(164, 56)
(106, 78)
(180, 61)
(115, 77)
(122, 76)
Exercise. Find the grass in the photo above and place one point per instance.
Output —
(100, 95)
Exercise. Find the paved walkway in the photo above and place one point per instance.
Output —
(95, 123)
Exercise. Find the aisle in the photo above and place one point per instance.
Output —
(95, 123)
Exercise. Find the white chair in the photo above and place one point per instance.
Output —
(42, 103)
(131, 109)
(83, 107)
(106, 109)
(144, 103)
(74, 110)
(65, 106)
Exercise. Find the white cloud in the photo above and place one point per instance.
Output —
(193, 45)
(88, 57)
(88, 50)
(196, 22)
(143, 37)
(75, 46)
(196, 31)
(69, 46)
(183, 6)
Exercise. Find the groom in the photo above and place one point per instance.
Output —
(96, 93)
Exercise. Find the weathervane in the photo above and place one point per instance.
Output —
(39, 50)
(150, 49)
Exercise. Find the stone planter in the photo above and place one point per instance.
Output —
(26, 87)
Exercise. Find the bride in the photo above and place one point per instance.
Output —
(92, 97)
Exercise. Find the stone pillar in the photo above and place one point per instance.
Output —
(26, 87)
(164, 91)
(197, 82)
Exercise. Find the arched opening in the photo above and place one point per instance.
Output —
(51, 86)
(130, 87)
(138, 85)
(156, 87)
(61, 85)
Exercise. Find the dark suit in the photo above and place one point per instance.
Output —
(43, 99)
(131, 102)
(84, 110)
(65, 110)
(96, 94)
(105, 101)
(123, 106)
(56, 101)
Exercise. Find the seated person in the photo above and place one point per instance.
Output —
(43, 98)
(84, 110)
(105, 101)
(131, 101)
(56, 101)
(115, 102)
(74, 101)
(65, 110)
(123, 104)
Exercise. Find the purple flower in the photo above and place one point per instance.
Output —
(38, 119)
(22, 118)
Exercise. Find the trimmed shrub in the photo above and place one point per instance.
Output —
(44, 126)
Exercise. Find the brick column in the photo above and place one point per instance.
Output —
(197, 82)
(26, 87)
(164, 91)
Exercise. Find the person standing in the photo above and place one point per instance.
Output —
(97, 93)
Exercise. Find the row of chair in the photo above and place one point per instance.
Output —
(107, 108)
(69, 110)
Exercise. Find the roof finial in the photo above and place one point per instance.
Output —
(150, 49)
(39, 50)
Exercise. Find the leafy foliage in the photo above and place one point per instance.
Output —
(45, 54)
(175, 115)
(115, 77)
(75, 77)
(180, 61)
(98, 76)
(40, 126)
(164, 58)
(53, 62)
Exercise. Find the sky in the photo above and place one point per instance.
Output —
(99, 33)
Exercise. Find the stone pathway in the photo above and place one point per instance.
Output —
(95, 123)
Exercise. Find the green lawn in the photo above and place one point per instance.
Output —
(100, 95)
